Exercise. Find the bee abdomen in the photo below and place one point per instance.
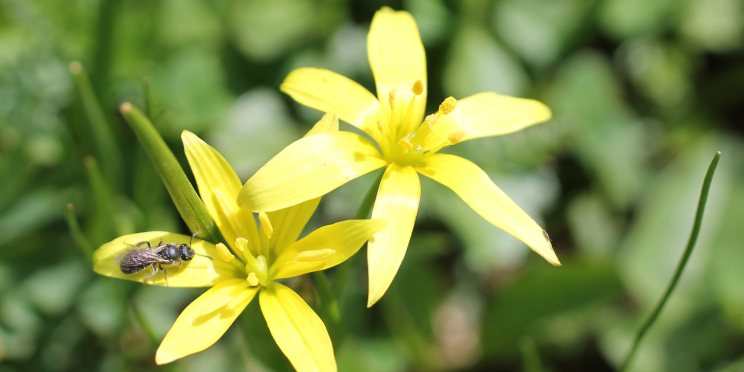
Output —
(131, 269)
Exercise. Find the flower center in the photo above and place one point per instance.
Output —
(403, 145)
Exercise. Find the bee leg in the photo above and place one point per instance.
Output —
(165, 273)
(150, 275)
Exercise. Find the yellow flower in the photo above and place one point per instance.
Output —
(263, 256)
(407, 142)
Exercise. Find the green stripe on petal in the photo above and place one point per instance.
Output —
(298, 331)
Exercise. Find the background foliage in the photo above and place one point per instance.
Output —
(643, 91)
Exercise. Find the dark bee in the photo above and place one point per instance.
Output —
(136, 260)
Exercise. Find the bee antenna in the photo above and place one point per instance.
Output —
(192, 237)
(204, 255)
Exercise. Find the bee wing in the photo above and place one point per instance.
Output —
(138, 257)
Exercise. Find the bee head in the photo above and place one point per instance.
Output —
(187, 253)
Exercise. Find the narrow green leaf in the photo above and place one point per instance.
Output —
(77, 234)
(330, 310)
(530, 355)
(106, 146)
(103, 225)
(680, 266)
(191, 208)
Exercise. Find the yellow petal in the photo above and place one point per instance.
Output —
(398, 60)
(397, 202)
(488, 114)
(474, 186)
(328, 123)
(298, 331)
(219, 186)
(288, 224)
(308, 168)
(328, 91)
(199, 272)
(325, 247)
(202, 323)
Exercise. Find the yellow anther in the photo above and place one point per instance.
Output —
(455, 137)
(380, 127)
(312, 256)
(418, 87)
(266, 227)
(224, 253)
(406, 144)
(448, 105)
(391, 98)
(252, 279)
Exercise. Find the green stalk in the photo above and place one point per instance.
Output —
(680, 266)
(77, 234)
(530, 356)
(344, 270)
(191, 208)
(106, 145)
(329, 307)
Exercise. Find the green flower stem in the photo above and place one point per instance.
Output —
(77, 234)
(145, 324)
(106, 146)
(191, 208)
(329, 306)
(344, 270)
(530, 356)
(149, 107)
(680, 266)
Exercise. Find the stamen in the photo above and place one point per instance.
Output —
(448, 105)
(455, 137)
(252, 279)
(405, 144)
(391, 99)
(266, 227)
(424, 129)
(224, 252)
(312, 256)
(250, 260)
(380, 128)
(418, 87)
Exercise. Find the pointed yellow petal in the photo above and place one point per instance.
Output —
(325, 247)
(328, 123)
(474, 186)
(397, 202)
(488, 114)
(328, 91)
(219, 186)
(398, 61)
(297, 330)
(308, 168)
(199, 272)
(288, 224)
(205, 320)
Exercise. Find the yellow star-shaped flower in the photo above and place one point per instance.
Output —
(407, 144)
(263, 256)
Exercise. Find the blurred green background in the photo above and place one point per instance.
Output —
(643, 93)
